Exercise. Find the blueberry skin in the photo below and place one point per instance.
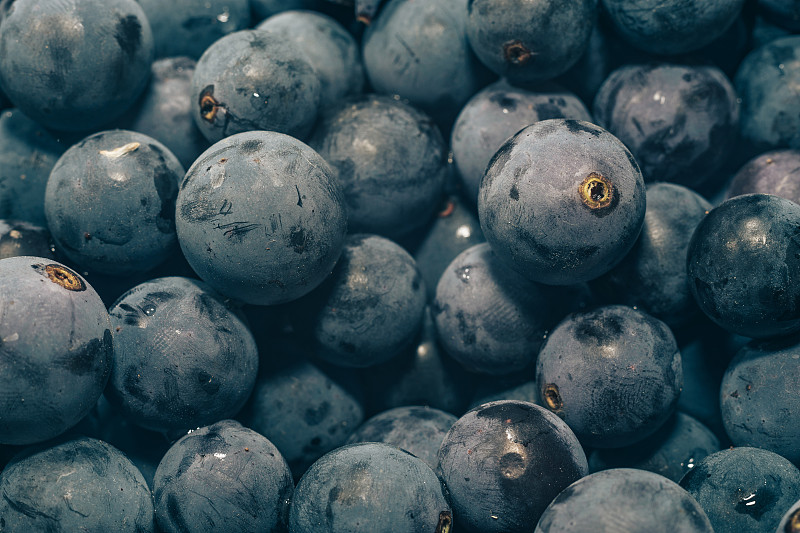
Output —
(652, 276)
(672, 451)
(744, 489)
(744, 266)
(55, 349)
(613, 374)
(331, 50)
(165, 110)
(261, 218)
(776, 172)
(401, 51)
(454, 229)
(421, 375)
(18, 238)
(370, 307)
(110, 202)
(562, 202)
(188, 27)
(624, 499)
(489, 318)
(28, 153)
(181, 358)
(305, 412)
(758, 397)
(74, 65)
(765, 82)
(680, 122)
(505, 388)
(391, 162)
(266, 8)
(504, 462)
(783, 13)
(81, 484)
(254, 80)
(529, 41)
(415, 429)
(223, 477)
(369, 486)
(674, 26)
(497, 113)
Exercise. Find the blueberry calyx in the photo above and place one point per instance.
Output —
(596, 191)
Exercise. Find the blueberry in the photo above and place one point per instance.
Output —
(744, 265)
(613, 374)
(759, 406)
(744, 489)
(181, 358)
(305, 412)
(165, 110)
(766, 81)
(419, 50)
(366, 10)
(266, 8)
(764, 31)
(331, 50)
(562, 201)
(55, 349)
(652, 276)
(504, 462)
(489, 318)
(497, 113)
(529, 41)
(188, 27)
(254, 80)
(369, 309)
(672, 451)
(421, 375)
(81, 484)
(369, 487)
(454, 229)
(672, 26)
(624, 499)
(19, 238)
(680, 122)
(261, 217)
(776, 172)
(76, 65)
(222, 477)
(391, 162)
(28, 153)
(110, 202)
(505, 388)
(416, 429)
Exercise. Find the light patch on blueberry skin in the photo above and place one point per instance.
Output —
(120, 151)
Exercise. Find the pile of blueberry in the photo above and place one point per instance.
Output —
(400, 266)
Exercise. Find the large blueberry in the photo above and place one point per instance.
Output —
(372, 487)
(672, 26)
(331, 50)
(613, 374)
(497, 113)
(369, 309)
(744, 265)
(188, 27)
(530, 41)
(391, 161)
(254, 80)
(624, 499)
(28, 153)
(504, 462)
(767, 82)
(261, 217)
(680, 122)
(74, 65)
(82, 484)
(55, 349)
(222, 477)
(776, 172)
(562, 201)
(181, 358)
(110, 202)
(744, 489)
